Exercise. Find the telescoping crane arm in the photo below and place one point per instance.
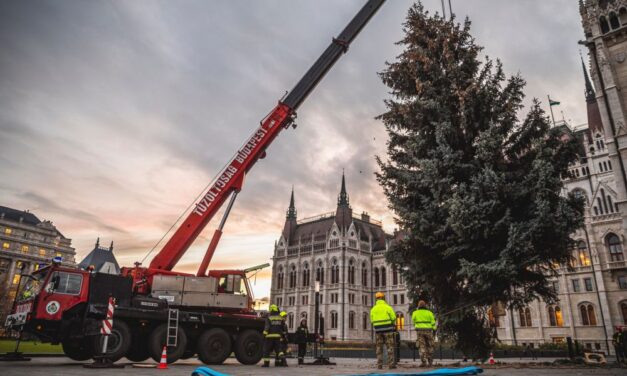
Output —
(229, 181)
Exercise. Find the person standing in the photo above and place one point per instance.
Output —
(302, 335)
(382, 317)
(617, 341)
(623, 339)
(273, 332)
(424, 322)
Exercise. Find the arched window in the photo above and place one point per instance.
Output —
(351, 320)
(525, 317)
(376, 277)
(400, 321)
(279, 278)
(306, 274)
(364, 274)
(623, 309)
(555, 316)
(583, 257)
(290, 320)
(614, 24)
(493, 319)
(351, 272)
(614, 247)
(588, 318)
(605, 27)
(320, 273)
(303, 316)
(394, 276)
(383, 277)
(334, 320)
(364, 320)
(292, 277)
(335, 272)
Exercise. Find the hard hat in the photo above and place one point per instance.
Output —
(283, 314)
(379, 295)
(274, 308)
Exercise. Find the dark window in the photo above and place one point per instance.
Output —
(576, 287)
(614, 247)
(306, 275)
(623, 309)
(351, 272)
(279, 278)
(588, 283)
(622, 282)
(588, 317)
(333, 320)
(395, 299)
(364, 275)
(351, 320)
(383, 277)
(604, 25)
(320, 273)
(68, 283)
(364, 320)
(525, 316)
(376, 277)
(614, 24)
(394, 276)
(402, 298)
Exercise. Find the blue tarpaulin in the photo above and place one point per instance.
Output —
(436, 372)
(206, 371)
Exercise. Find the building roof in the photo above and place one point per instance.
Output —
(23, 216)
(98, 257)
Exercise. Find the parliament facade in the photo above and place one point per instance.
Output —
(344, 253)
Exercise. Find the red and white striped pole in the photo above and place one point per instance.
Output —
(107, 324)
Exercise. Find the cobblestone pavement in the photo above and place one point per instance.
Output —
(64, 367)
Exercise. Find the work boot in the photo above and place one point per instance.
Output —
(301, 361)
(266, 363)
(422, 365)
(430, 362)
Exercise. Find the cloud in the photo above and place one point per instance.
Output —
(115, 115)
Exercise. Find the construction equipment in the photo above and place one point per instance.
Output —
(214, 315)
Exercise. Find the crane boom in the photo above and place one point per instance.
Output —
(229, 181)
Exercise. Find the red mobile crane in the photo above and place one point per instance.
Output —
(212, 311)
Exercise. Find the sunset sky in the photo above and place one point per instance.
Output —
(114, 115)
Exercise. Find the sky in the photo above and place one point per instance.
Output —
(115, 115)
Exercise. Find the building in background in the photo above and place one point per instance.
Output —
(101, 259)
(345, 254)
(26, 243)
(592, 290)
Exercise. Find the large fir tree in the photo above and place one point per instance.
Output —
(477, 192)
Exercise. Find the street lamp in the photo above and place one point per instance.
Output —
(316, 316)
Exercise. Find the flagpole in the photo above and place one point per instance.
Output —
(551, 108)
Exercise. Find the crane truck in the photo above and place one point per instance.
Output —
(210, 313)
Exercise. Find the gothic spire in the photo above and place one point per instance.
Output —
(342, 199)
(291, 211)
(590, 95)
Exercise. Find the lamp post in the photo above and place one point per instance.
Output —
(316, 316)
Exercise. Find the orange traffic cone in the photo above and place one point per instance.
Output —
(163, 364)
(491, 360)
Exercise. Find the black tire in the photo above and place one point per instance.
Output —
(139, 350)
(157, 340)
(77, 349)
(214, 346)
(249, 347)
(119, 343)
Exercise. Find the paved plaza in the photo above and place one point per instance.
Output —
(62, 366)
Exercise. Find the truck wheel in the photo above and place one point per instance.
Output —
(249, 347)
(214, 346)
(157, 340)
(77, 349)
(139, 351)
(119, 342)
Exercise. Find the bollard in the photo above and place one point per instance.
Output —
(571, 351)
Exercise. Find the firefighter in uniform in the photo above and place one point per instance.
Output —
(383, 319)
(284, 341)
(273, 332)
(302, 335)
(424, 322)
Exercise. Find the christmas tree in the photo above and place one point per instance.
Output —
(477, 192)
